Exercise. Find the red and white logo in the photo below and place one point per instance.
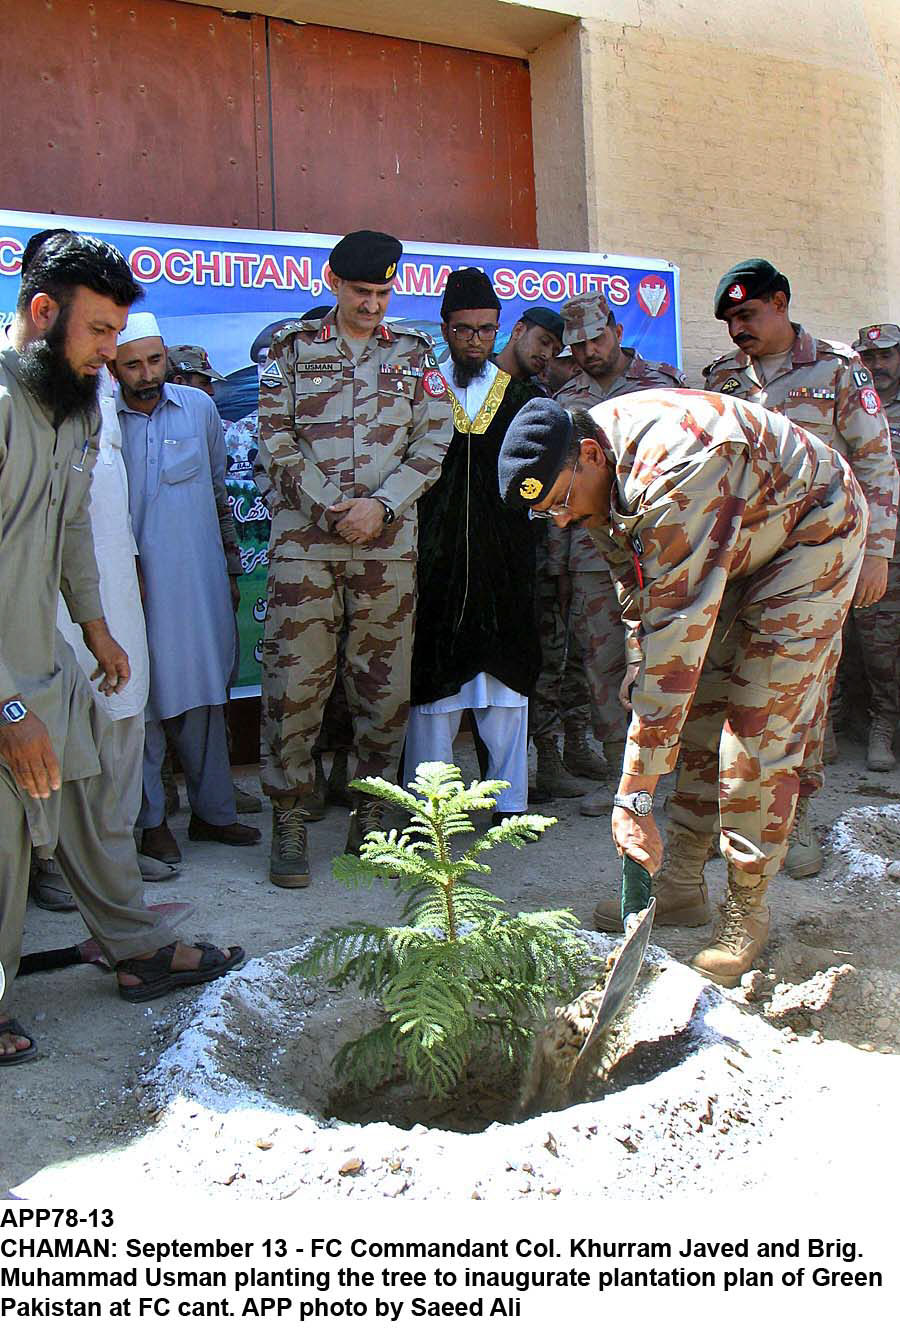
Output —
(653, 295)
(737, 292)
(434, 384)
(869, 400)
(874, 333)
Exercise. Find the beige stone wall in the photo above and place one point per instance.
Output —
(704, 148)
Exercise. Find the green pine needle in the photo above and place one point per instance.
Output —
(460, 976)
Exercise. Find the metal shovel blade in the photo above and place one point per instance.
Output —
(620, 983)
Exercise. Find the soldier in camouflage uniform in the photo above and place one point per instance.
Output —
(879, 626)
(354, 420)
(735, 540)
(607, 369)
(825, 388)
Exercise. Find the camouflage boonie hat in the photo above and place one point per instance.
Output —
(188, 358)
(884, 335)
(585, 317)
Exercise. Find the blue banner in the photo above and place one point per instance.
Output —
(222, 288)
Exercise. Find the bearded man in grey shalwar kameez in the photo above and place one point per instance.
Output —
(73, 301)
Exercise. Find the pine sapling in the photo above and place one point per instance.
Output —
(460, 976)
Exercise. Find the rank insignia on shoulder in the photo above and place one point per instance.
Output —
(869, 400)
(271, 375)
(861, 376)
(730, 386)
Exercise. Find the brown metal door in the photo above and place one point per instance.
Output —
(424, 141)
(127, 110)
(181, 114)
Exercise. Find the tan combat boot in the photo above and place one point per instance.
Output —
(679, 887)
(552, 781)
(368, 816)
(880, 754)
(804, 854)
(596, 804)
(579, 758)
(742, 933)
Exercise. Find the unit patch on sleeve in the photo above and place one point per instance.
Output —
(869, 400)
(271, 376)
(434, 384)
(730, 386)
(861, 376)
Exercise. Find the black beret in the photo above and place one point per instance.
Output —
(366, 257)
(534, 451)
(468, 290)
(546, 318)
(748, 279)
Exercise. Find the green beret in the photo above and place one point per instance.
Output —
(534, 452)
(748, 279)
(366, 257)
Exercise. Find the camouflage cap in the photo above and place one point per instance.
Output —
(533, 452)
(884, 335)
(585, 317)
(188, 358)
(745, 280)
(366, 257)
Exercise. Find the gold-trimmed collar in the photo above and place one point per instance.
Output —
(484, 417)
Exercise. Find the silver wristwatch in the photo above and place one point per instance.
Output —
(641, 802)
(13, 711)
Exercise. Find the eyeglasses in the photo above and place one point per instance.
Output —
(470, 332)
(560, 508)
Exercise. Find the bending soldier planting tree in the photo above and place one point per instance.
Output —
(735, 540)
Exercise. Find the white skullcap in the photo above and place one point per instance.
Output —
(141, 325)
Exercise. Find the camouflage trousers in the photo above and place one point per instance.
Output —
(561, 696)
(354, 619)
(595, 621)
(878, 630)
(759, 707)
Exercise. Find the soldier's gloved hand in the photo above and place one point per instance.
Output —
(361, 519)
(113, 668)
(637, 837)
(26, 749)
(872, 583)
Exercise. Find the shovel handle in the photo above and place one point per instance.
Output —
(636, 887)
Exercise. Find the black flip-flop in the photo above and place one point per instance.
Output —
(14, 1028)
(157, 977)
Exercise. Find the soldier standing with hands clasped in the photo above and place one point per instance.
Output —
(823, 387)
(354, 421)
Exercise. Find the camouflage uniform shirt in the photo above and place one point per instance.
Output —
(573, 549)
(826, 389)
(332, 428)
(707, 491)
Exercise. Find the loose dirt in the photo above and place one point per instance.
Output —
(122, 1081)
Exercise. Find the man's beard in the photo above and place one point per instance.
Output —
(467, 369)
(50, 377)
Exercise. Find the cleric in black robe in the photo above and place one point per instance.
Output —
(476, 644)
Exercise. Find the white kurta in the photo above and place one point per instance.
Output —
(175, 458)
(115, 549)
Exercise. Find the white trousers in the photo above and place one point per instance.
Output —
(504, 731)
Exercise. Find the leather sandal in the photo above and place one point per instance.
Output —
(14, 1028)
(157, 977)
